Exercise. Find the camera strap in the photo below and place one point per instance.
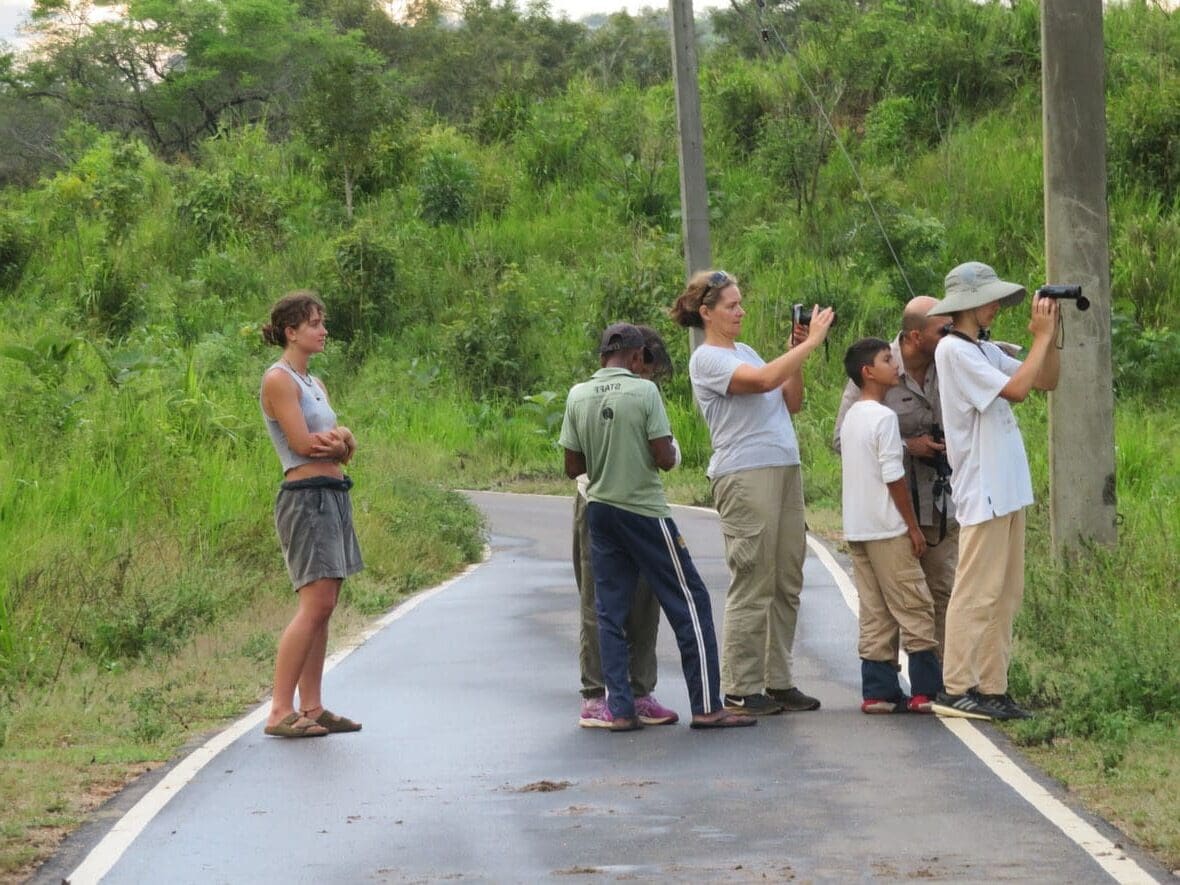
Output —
(939, 492)
(959, 334)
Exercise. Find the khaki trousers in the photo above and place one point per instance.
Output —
(893, 597)
(642, 626)
(765, 545)
(989, 585)
(939, 566)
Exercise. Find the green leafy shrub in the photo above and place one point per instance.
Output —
(508, 113)
(392, 153)
(228, 205)
(636, 291)
(447, 188)
(111, 297)
(736, 102)
(220, 282)
(120, 186)
(889, 131)
(1144, 136)
(491, 345)
(554, 149)
(1145, 360)
(1145, 266)
(361, 296)
(16, 245)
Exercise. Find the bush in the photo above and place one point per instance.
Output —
(491, 346)
(639, 291)
(361, 297)
(111, 298)
(554, 148)
(889, 131)
(501, 118)
(736, 101)
(1144, 137)
(1145, 360)
(447, 186)
(227, 205)
(16, 245)
(1145, 265)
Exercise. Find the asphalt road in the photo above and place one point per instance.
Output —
(471, 765)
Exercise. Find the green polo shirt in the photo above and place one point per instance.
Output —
(610, 419)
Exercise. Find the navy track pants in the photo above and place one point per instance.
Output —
(623, 546)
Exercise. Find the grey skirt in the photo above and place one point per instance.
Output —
(313, 518)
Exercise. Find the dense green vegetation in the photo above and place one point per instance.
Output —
(475, 197)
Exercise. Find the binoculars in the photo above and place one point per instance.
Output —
(1070, 293)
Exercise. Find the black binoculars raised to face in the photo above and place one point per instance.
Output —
(1069, 293)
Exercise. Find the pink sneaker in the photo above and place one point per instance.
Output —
(652, 712)
(595, 713)
(919, 703)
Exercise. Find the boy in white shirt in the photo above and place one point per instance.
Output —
(885, 541)
(992, 483)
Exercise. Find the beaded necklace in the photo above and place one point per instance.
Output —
(307, 380)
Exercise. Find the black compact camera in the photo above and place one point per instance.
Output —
(1069, 293)
(938, 461)
(942, 480)
(801, 316)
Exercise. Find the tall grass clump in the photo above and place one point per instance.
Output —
(1097, 635)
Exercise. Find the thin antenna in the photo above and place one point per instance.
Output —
(765, 32)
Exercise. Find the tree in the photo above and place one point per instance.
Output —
(349, 98)
(172, 71)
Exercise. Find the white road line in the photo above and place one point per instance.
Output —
(107, 852)
(1104, 852)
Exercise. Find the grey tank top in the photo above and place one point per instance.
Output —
(313, 402)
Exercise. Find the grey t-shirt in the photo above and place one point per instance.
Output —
(749, 430)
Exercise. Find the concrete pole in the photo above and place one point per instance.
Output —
(694, 194)
(1082, 503)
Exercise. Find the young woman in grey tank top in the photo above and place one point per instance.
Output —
(313, 513)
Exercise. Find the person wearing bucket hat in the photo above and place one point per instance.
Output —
(616, 431)
(992, 484)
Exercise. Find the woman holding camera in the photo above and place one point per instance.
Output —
(757, 488)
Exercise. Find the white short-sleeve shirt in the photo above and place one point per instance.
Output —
(983, 442)
(749, 430)
(871, 458)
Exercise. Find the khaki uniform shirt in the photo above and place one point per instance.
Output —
(918, 409)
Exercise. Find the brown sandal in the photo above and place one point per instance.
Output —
(294, 725)
(336, 724)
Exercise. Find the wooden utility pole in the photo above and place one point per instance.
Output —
(1081, 410)
(694, 194)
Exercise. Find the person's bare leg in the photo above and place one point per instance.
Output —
(302, 647)
(311, 702)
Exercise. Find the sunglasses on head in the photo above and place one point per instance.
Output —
(717, 280)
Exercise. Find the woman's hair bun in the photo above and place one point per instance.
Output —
(271, 335)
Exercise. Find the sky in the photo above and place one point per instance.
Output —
(12, 12)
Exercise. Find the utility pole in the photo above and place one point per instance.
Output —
(694, 195)
(1082, 506)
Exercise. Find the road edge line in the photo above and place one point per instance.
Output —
(1101, 850)
(103, 856)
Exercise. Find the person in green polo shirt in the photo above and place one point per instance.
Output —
(616, 431)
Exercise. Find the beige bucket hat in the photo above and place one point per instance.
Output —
(972, 285)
